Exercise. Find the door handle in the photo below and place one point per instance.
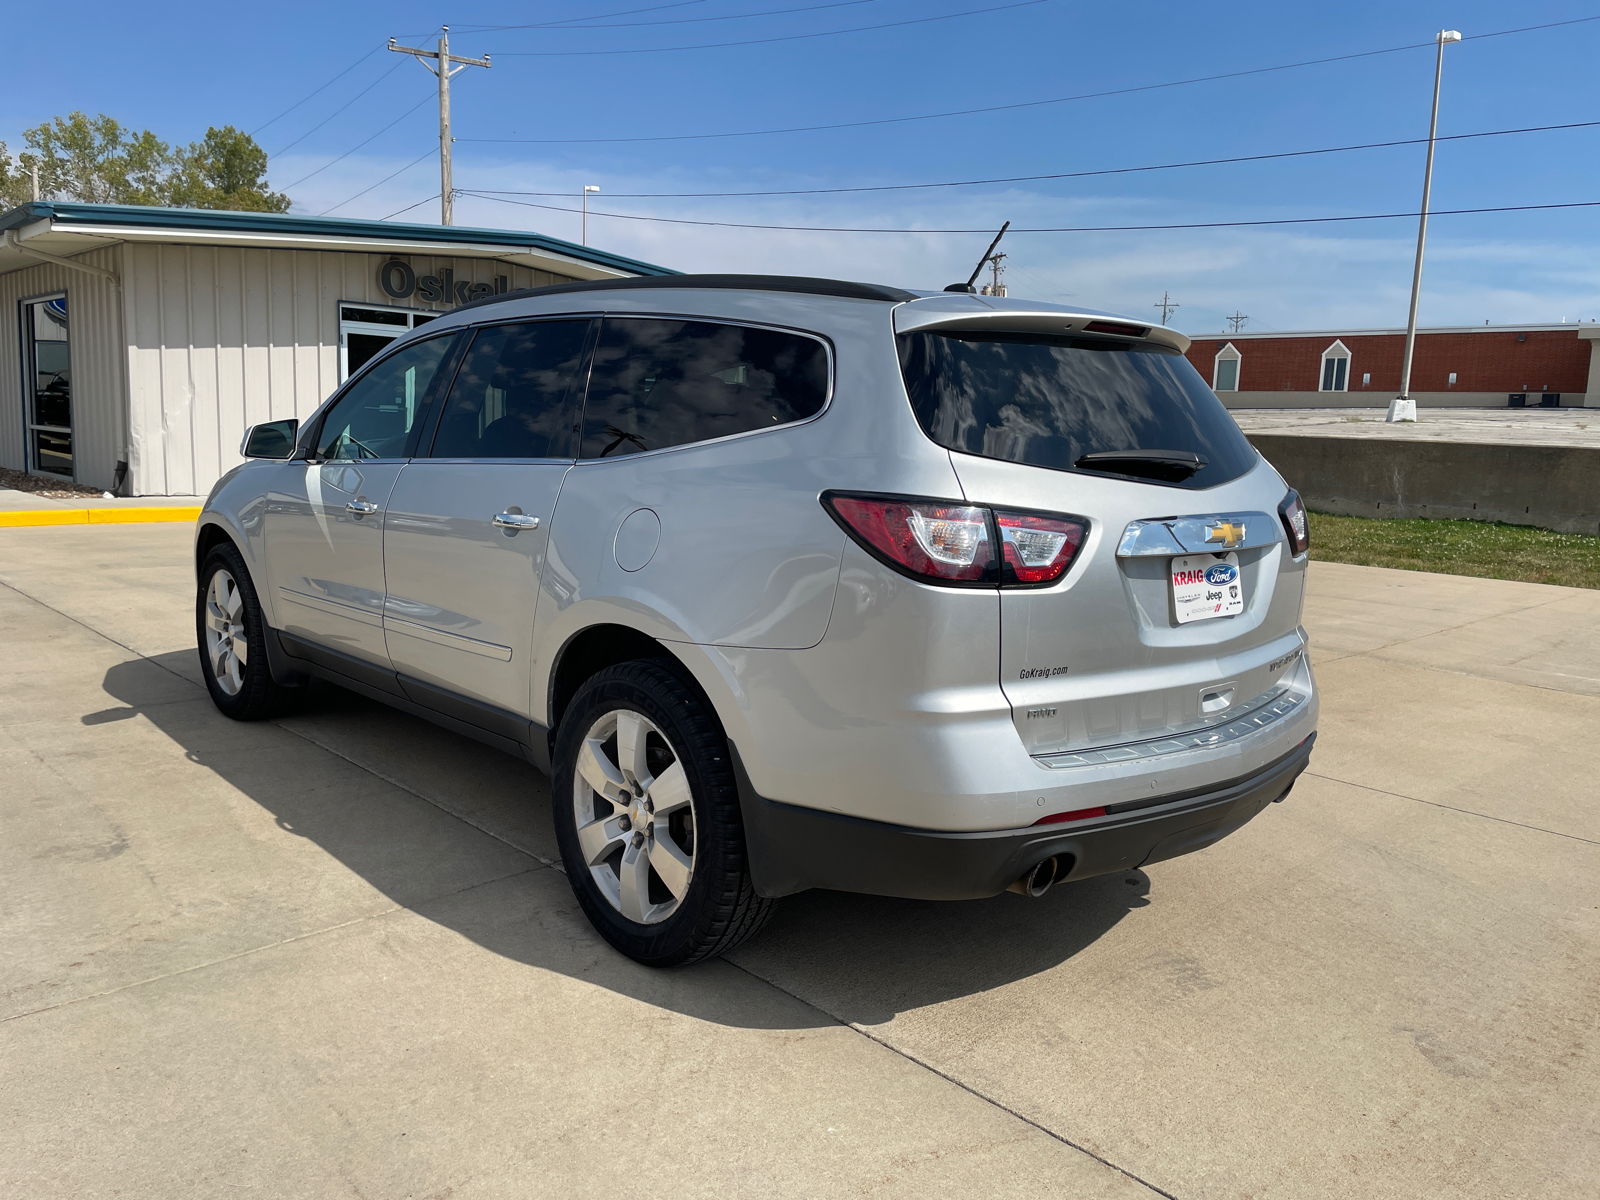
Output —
(510, 520)
(361, 508)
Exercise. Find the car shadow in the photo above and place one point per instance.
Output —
(853, 958)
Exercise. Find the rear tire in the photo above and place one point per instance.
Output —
(232, 635)
(647, 818)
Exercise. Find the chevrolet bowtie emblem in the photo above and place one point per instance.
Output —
(1226, 532)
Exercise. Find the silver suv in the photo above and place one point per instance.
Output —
(789, 583)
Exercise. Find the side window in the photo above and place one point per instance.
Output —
(515, 395)
(375, 417)
(660, 383)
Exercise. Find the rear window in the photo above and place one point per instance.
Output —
(659, 383)
(1051, 401)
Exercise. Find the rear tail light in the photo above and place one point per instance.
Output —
(1295, 522)
(940, 542)
(1038, 549)
(947, 542)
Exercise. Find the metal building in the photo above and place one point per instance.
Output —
(137, 344)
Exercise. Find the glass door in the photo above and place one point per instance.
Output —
(49, 367)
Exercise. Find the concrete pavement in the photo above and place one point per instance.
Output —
(329, 956)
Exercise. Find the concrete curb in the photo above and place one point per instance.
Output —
(97, 516)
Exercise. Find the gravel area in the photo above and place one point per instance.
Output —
(44, 485)
(1524, 426)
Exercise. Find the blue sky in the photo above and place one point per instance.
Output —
(184, 66)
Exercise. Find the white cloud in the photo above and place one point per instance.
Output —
(1283, 277)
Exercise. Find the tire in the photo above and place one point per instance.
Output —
(231, 632)
(626, 857)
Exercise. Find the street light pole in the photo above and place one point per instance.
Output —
(587, 188)
(1403, 407)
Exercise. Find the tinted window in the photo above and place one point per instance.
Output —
(1049, 401)
(664, 383)
(375, 416)
(513, 397)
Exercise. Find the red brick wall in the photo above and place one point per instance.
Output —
(1491, 361)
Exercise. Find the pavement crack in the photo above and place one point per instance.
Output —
(951, 1079)
(414, 906)
(1366, 787)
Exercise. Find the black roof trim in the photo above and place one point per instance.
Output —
(750, 283)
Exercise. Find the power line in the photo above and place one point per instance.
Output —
(967, 112)
(358, 146)
(409, 207)
(338, 110)
(379, 184)
(321, 89)
(570, 25)
(1201, 162)
(792, 37)
(1441, 212)
(566, 21)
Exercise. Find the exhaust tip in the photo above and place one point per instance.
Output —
(1037, 881)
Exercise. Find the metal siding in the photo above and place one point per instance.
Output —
(95, 335)
(221, 338)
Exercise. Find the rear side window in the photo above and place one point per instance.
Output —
(375, 416)
(1053, 401)
(660, 383)
(515, 394)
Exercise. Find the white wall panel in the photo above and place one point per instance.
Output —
(220, 338)
(94, 328)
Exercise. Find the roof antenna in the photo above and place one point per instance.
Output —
(982, 262)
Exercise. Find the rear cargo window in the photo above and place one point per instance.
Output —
(1051, 401)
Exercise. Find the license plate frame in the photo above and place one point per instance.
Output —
(1205, 587)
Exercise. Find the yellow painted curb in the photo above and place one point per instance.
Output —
(99, 516)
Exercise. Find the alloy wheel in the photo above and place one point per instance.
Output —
(634, 816)
(227, 644)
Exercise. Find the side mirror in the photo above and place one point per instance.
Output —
(272, 439)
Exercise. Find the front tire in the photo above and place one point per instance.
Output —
(232, 635)
(647, 818)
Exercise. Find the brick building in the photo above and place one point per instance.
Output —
(1470, 366)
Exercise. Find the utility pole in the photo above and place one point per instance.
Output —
(1166, 306)
(995, 288)
(443, 70)
(1403, 407)
(1236, 321)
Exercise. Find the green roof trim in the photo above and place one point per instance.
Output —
(179, 219)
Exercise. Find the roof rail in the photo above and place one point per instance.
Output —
(753, 283)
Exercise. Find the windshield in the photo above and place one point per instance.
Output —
(1059, 402)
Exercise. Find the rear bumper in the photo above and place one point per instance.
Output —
(793, 849)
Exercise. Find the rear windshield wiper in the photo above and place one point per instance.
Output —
(1172, 466)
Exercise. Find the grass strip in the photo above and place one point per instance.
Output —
(1484, 549)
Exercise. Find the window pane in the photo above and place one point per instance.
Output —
(1048, 401)
(1228, 375)
(1338, 373)
(666, 383)
(376, 415)
(513, 396)
(1327, 374)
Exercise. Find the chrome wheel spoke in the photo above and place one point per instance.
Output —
(671, 863)
(634, 875)
(631, 737)
(240, 646)
(597, 839)
(670, 792)
(216, 619)
(600, 773)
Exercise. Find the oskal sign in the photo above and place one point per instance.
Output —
(400, 282)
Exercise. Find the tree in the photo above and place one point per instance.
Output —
(226, 170)
(98, 161)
